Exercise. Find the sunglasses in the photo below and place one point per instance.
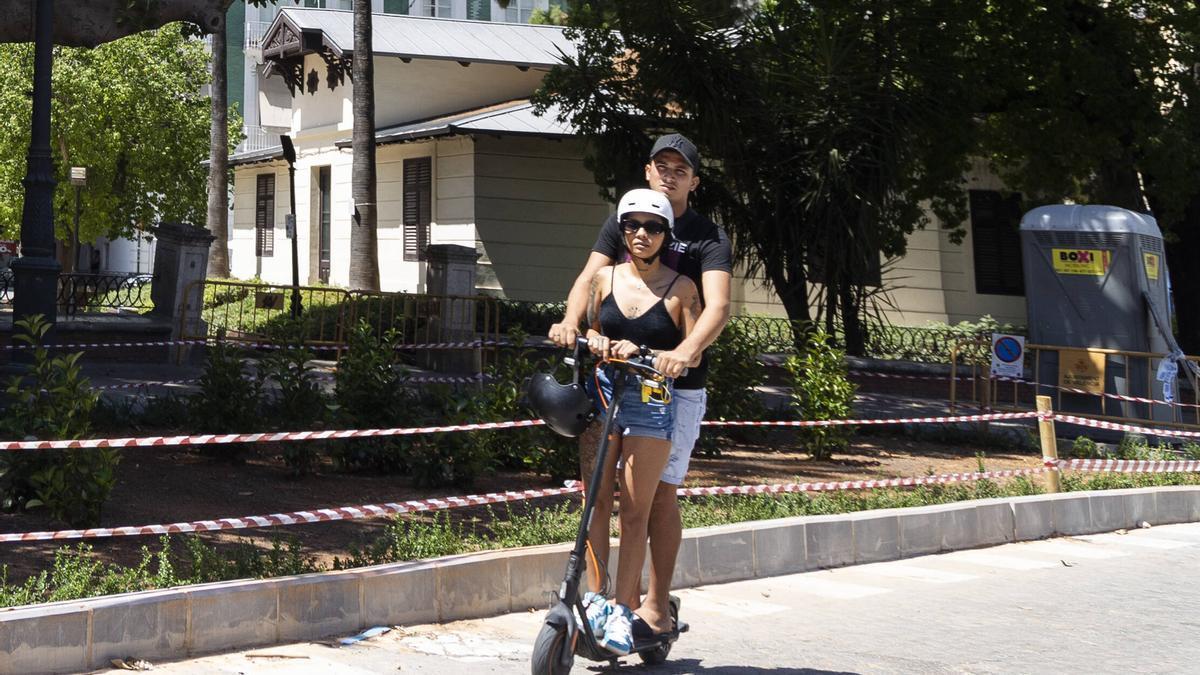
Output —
(652, 227)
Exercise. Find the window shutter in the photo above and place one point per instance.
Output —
(418, 207)
(395, 6)
(264, 216)
(996, 242)
(479, 10)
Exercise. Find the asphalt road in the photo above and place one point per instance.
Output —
(1111, 603)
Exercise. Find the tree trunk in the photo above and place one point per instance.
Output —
(218, 160)
(792, 287)
(364, 244)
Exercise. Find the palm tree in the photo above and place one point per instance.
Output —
(364, 242)
(218, 159)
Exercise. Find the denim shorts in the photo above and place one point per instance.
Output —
(651, 419)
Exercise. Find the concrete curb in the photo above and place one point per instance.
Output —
(177, 623)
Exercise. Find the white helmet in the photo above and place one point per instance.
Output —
(644, 200)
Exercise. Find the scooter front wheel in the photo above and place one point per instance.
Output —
(552, 654)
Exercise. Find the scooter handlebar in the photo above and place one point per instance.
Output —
(641, 365)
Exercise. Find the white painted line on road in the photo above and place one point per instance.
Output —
(1008, 562)
(1137, 540)
(898, 571)
(1067, 548)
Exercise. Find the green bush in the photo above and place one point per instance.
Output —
(54, 401)
(455, 458)
(300, 403)
(502, 398)
(821, 391)
(1084, 448)
(734, 372)
(369, 393)
(229, 400)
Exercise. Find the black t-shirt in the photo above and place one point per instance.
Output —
(699, 245)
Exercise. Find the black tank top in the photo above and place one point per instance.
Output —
(654, 328)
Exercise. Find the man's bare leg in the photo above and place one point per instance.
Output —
(666, 534)
(600, 529)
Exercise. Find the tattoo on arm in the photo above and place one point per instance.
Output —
(593, 292)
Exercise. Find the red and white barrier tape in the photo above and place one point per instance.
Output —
(1117, 426)
(1125, 465)
(1105, 394)
(469, 344)
(294, 518)
(150, 383)
(902, 376)
(858, 484)
(902, 420)
(220, 439)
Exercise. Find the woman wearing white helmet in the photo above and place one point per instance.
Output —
(637, 303)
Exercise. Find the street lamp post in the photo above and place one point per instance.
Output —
(289, 153)
(78, 179)
(35, 273)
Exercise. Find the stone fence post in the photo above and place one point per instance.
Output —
(451, 271)
(180, 259)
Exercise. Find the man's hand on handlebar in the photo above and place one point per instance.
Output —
(564, 334)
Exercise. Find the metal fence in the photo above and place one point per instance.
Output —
(92, 293)
(769, 334)
(261, 313)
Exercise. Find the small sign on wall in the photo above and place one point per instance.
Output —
(1079, 369)
(1008, 355)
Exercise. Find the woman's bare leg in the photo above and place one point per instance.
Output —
(644, 461)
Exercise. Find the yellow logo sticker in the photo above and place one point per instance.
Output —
(1090, 262)
(1150, 261)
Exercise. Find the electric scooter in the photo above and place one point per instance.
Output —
(564, 633)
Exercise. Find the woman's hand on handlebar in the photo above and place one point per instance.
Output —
(623, 349)
(599, 344)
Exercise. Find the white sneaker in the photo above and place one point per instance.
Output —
(618, 631)
(597, 609)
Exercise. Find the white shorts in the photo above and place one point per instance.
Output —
(689, 412)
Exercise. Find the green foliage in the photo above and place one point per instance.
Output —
(300, 403)
(821, 391)
(437, 460)
(133, 112)
(54, 401)
(734, 372)
(405, 539)
(502, 399)
(1084, 448)
(229, 399)
(369, 394)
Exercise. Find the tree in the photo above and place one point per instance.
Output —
(144, 161)
(825, 125)
(92, 23)
(364, 244)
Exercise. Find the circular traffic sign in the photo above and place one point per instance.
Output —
(1007, 349)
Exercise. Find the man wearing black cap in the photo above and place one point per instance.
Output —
(700, 250)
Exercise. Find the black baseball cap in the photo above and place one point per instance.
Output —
(681, 144)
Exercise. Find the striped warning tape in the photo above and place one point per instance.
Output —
(901, 420)
(1105, 394)
(1117, 426)
(148, 383)
(469, 344)
(443, 503)
(859, 484)
(295, 517)
(1124, 465)
(221, 439)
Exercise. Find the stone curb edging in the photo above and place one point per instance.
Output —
(176, 623)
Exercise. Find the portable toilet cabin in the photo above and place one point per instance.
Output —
(1096, 276)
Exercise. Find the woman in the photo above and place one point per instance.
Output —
(634, 304)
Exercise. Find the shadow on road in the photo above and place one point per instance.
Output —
(696, 667)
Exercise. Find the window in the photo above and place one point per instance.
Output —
(479, 10)
(418, 207)
(329, 4)
(438, 8)
(995, 233)
(518, 11)
(395, 6)
(264, 216)
(323, 235)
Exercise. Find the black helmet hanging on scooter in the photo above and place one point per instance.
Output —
(565, 408)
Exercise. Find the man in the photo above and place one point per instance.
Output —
(701, 251)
